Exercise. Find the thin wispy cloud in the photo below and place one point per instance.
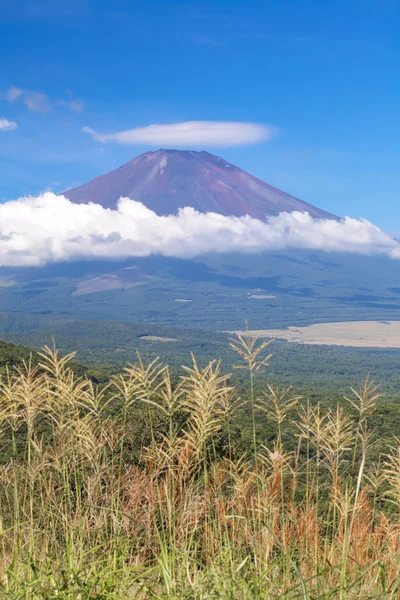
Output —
(48, 228)
(209, 16)
(74, 105)
(6, 125)
(189, 134)
(40, 102)
(43, 11)
(34, 101)
(206, 40)
(13, 93)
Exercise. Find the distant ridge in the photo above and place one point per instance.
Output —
(167, 180)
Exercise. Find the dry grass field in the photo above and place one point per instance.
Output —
(371, 334)
(81, 518)
(157, 338)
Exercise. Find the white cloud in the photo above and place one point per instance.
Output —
(191, 133)
(37, 230)
(6, 125)
(34, 101)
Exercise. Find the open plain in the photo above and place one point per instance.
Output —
(371, 334)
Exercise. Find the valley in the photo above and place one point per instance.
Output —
(321, 371)
(271, 290)
(153, 299)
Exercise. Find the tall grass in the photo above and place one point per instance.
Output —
(80, 519)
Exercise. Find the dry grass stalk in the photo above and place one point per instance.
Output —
(185, 521)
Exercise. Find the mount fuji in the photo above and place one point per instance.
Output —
(167, 180)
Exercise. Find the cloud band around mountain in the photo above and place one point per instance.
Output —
(48, 228)
(190, 134)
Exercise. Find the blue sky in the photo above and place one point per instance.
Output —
(325, 75)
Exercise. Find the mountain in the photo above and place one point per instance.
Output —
(166, 180)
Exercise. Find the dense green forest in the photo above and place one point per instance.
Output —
(314, 370)
(16, 356)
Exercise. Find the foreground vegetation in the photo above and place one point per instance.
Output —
(144, 487)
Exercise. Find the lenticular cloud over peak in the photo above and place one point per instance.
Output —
(49, 228)
(190, 133)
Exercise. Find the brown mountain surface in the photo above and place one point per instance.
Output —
(167, 180)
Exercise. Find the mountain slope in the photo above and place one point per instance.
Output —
(167, 180)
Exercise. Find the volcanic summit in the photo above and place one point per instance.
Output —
(167, 180)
